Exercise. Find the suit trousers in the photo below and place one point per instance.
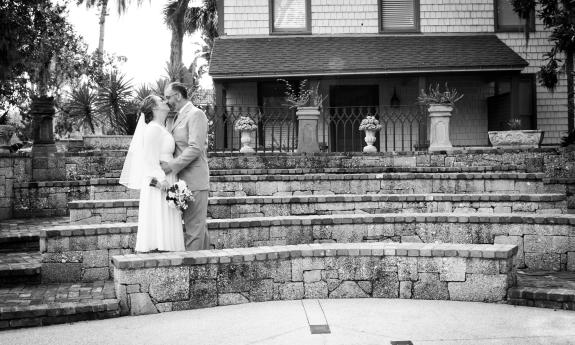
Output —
(196, 235)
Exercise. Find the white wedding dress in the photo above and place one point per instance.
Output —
(159, 225)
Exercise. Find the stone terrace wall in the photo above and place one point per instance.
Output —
(83, 252)
(14, 168)
(151, 283)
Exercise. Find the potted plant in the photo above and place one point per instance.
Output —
(515, 136)
(307, 102)
(370, 125)
(6, 132)
(245, 125)
(440, 104)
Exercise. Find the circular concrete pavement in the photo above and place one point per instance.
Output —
(349, 321)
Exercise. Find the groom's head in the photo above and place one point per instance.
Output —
(176, 94)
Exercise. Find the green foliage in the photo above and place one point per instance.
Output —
(79, 109)
(514, 124)
(304, 96)
(434, 95)
(113, 102)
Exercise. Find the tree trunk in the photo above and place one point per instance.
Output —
(178, 37)
(570, 91)
(103, 14)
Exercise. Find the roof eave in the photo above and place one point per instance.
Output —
(357, 73)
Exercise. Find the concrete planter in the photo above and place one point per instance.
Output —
(308, 118)
(110, 142)
(518, 138)
(440, 115)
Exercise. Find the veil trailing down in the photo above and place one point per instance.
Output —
(159, 224)
(133, 171)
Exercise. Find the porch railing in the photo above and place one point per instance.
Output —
(277, 128)
(404, 128)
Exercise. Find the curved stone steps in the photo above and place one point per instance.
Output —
(126, 210)
(47, 304)
(544, 241)
(51, 198)
(20, 267)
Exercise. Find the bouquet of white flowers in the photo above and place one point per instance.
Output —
(245, 123)
(178, 195)
(369, 123)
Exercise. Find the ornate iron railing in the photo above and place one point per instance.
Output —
(277, 128)
(403, 128)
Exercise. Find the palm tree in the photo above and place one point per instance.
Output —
(121, 6)
(182, 20)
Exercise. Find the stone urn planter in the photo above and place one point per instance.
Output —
(370, 140)
(6, 132)
(308, 118)
(516, 138)
(439, 115)
(246, 139)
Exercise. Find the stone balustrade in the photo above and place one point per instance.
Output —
(83, 252)
(163, 282)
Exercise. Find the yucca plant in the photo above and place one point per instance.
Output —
(81, 107)
(114, 102)
(160, 85)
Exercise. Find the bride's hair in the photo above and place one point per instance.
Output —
(146, 108)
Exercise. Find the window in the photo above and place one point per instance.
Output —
(507, 20)
(290, 16)
(399, 15)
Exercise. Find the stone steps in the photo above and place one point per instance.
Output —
(83, 252)
(353, 170)
(544, 289)
(47, 304)
(20, 267)
(126, 210)
(51, 198)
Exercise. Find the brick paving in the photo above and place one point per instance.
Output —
(26, 295)
(18, 226)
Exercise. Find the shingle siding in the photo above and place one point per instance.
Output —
(251, 17)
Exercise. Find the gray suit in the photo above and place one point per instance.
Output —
(190, 131)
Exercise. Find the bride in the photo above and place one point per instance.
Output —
(159, 225)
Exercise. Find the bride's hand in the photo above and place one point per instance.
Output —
(164, 186)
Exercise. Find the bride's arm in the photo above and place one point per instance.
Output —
(152, 147)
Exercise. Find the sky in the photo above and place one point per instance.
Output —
(139, 34)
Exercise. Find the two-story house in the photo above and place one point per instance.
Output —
(371, 57)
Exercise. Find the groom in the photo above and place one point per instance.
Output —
(190, 131)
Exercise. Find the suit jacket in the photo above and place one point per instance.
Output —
(190, 163)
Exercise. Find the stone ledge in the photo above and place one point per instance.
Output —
(90, 204)
(542, 297)
(152, 283)
(309, 177)
(127, 228)
(238, 255)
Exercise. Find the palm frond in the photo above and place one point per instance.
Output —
(114, 101)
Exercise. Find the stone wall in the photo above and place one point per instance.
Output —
(14, 169)
(544, 242)
(107, 211)
(107, 142)
(83, 254)
(151, 283)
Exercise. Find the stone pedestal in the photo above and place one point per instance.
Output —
(439, 115)
(42, 113)
(307, 129)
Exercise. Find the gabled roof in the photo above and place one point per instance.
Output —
(282, 56)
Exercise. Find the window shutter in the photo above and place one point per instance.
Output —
(397, 14)
(289, 14)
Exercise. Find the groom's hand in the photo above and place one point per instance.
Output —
(165, 167)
